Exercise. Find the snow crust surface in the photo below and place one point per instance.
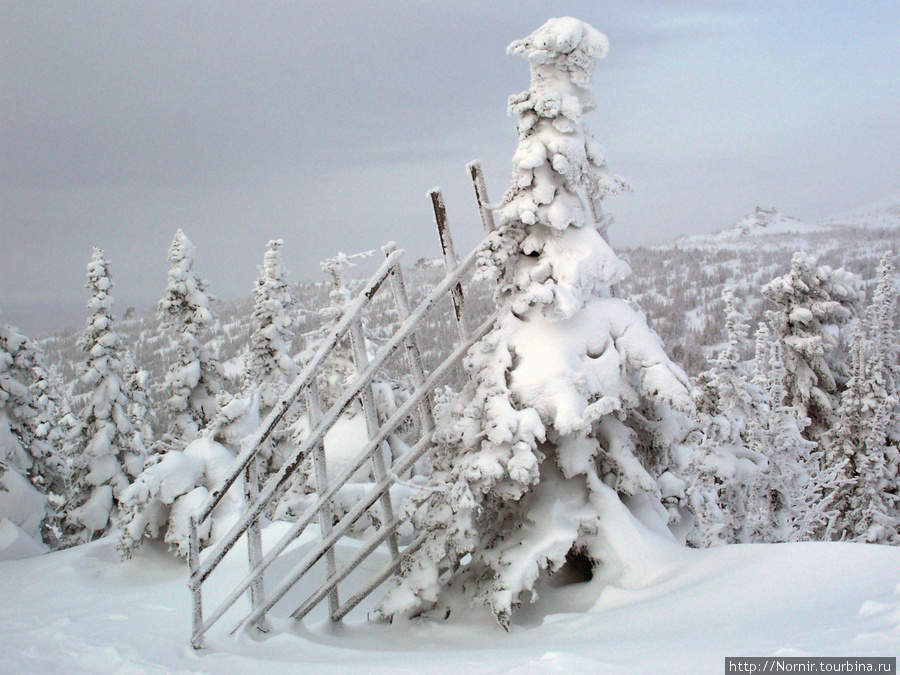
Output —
(83, 611)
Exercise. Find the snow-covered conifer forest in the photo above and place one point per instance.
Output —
(652, 458)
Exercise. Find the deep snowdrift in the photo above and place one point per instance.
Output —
(83, 611)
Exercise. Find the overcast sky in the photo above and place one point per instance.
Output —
(325, 124)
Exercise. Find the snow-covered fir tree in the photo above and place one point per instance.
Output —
(869, 501)
(141, 410)
(340, 368)
(195, 376)
(31, 411)
(793, 498)
(31, 438)
(730, 410)
(187, 461)
(103, 455)
(571, 406)
(336, 374)
(52, 424)
(812, 302)
(885, 352)
(270, 367)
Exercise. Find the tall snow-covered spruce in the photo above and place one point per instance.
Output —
(104, 458)
(865, 436)
(270, 367)
(730, 411)
(182, 465)
(195, 376)
(812, 303)
(573, 409)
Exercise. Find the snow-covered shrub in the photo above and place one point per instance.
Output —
(23, 513)
(175, 483)
(171, 488)
(103, 455)
(195, 375)
(236, 419)
(572, 408)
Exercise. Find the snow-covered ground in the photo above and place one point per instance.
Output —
(84, 611)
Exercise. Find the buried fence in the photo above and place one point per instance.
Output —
(334, 526)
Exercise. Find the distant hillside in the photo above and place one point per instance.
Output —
(882, 214)
(678, 286)
(761, 222)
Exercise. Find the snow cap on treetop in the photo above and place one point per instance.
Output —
(565, 43)
(181, 248)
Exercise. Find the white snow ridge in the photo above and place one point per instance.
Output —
(765, 221)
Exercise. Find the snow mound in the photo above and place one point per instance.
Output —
(16, 544)
(20, 504)
(167, 493)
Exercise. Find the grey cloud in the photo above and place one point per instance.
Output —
(325, 122)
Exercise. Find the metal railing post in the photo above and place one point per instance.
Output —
(196, 591)
(481, 196)
(367, 396)
(254, 541)
(326, 513)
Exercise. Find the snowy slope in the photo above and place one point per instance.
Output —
(765, 221)
(83, 611)
(759, 223)
(884, 213)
